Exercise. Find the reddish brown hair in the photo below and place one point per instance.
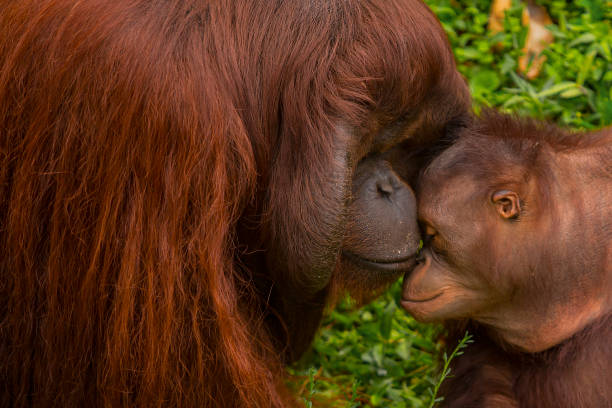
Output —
(133, 135)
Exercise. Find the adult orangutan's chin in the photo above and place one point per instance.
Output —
(184, 184)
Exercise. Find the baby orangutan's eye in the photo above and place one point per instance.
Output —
(429, 233)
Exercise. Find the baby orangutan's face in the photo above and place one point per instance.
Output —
(451, 281)
(499, 251)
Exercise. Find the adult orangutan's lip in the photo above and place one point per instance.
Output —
(393, 265)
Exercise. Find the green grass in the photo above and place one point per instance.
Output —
(374, 356)
(378, 355)
(575, 85)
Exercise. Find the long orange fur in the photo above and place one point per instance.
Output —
(133, 137)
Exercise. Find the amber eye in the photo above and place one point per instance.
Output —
(429, 233)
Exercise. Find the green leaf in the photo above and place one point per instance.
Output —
(586, 66)
(572, 93)
(556, 89)
(583, 39)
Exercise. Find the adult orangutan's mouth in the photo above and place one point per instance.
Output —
(393, 265)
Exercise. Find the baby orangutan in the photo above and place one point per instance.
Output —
(517, 217)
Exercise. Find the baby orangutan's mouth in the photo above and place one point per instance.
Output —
(399, 265)
(416, 289)
(423, 306)
(420, 299)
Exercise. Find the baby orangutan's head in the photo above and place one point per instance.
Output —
(510, 238)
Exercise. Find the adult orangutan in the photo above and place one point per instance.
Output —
(518, 224)
(184, 184)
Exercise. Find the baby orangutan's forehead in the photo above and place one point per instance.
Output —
(441, 197)
(452, 162)
(483, 158)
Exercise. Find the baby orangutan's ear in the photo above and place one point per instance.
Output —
(507, 204)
